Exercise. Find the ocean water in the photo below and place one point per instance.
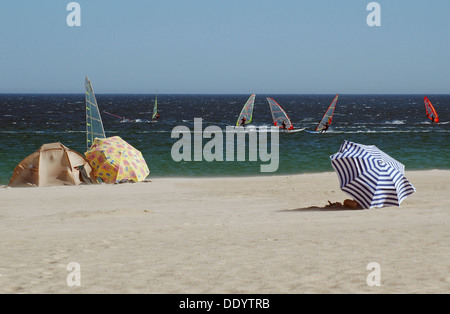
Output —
(394, 123)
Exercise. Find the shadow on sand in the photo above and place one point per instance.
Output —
(327, 208)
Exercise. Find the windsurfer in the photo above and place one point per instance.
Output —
(325, 127)
(283, 125)
(431, 112)
(156, 117)
(243, 121)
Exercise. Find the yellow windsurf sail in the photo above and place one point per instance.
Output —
(247, 112)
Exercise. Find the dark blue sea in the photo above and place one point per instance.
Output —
(396, 124)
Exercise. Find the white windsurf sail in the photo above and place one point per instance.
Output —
(94, 124)
(155, 108)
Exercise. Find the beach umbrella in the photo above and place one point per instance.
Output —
(114, 160)
(370, 176)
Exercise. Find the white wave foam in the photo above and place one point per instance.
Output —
(395, 122)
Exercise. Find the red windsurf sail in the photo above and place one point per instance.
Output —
(431, 112)
(279, 116)
(328, 116)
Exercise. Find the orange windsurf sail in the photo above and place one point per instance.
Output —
(431, 112)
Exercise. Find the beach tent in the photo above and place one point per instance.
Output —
(113, 160)
(370, 176)
(51, 165)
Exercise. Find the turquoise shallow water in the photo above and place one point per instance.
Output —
(395, 123)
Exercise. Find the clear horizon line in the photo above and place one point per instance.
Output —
(159, 93)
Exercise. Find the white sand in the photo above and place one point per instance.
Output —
(223, 235)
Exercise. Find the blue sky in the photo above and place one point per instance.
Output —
(225, 46)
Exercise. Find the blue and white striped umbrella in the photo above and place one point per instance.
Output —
(370, 176)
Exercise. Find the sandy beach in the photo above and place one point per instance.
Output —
(223, 235)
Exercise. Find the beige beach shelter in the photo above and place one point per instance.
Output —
(52, 164)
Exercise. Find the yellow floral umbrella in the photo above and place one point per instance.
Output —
(114, 160)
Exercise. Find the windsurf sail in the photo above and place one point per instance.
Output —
(279, 115)
(94, 124)
(431, 112)
(155, 107)
(328, 116)
(247, 111)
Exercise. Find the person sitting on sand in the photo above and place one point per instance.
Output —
(348, 204)
(352, 204)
